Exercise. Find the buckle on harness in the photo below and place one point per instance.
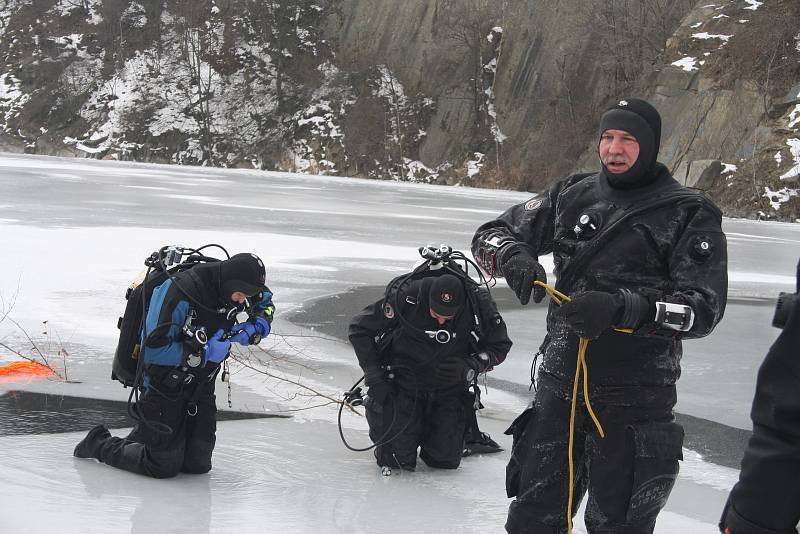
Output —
(191, 409)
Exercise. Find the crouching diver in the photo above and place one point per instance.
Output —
(420, 347)
(176, 428)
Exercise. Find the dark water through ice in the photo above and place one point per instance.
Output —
(24, 412)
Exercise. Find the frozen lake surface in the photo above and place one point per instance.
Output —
(74, 234)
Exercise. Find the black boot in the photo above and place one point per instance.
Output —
(89, 447)
(480, 444)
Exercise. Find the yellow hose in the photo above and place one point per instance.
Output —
(580, 368)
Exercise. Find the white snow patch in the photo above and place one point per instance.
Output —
(69, 42)
(390, 87)
(794, 148)
(687, 64)
(9, 87)
(729, 167)
(794, 116)
(88, 149)
(696, 25)
(474, 165)
(11, 98)
(720, 16)
(778, 158)
(495, 30)
(776, 198)
(63, 8)
(416, 171)
(707, 474)
(743, 21)
(136, 15)
(706, 35)
(753, 4)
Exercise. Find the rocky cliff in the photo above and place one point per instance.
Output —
(472, 92)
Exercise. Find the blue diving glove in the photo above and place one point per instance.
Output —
(250, 332)
(217, 349)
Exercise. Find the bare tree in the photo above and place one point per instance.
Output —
(632, 35)
(200, 76)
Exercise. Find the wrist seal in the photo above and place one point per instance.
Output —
(636, 310)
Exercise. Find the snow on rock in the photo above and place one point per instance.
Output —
(320, 125)
(136, 16)
(9, 87)
(794, 148)
(753, 4)
(776, 198)
(11, 98)
(474, 165)
(687, 64)
(65, 8)
(388, 86)
(417, 171)
(729, 168)
(794, 116)
(706, 35)
(496, 31)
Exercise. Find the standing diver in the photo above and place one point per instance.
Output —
(635, 251)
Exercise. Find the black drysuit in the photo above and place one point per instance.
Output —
(766, 500)
(177, 399)
(423, 410)
(660, 241)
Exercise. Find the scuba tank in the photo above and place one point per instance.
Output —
(161, 265)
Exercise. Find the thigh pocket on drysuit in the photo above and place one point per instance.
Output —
(657, 447)
(518, 453)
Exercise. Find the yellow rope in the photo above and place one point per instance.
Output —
(581, 367)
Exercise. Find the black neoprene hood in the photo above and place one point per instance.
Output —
(641, 120)
(244, 273)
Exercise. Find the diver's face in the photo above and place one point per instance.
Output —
(238, 297)
(619, 150)
(441, 319)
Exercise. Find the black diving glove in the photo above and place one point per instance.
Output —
(520, 271)
(462, 369)
(592, 313)
(379, 387)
